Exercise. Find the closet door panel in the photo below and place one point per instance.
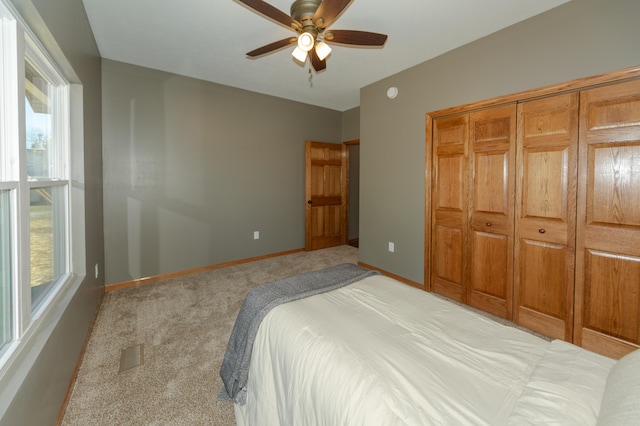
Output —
(544, 253)
(490, 248)
(542, 301)
(614, 197)
(610, 307)
(611, 299)
(490, 184)
(608, 244)
(542, 166)
(492, 258)
(448, 261)
(449, 191)
(449, 206)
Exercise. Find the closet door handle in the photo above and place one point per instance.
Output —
(541, 230)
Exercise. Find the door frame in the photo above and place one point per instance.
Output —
(355, 242)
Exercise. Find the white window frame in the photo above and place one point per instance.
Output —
(32, 327)
(38, 57)
(9, 153)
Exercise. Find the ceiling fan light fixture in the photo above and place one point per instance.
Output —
(322, 50)
(299, 54)
(306, 41)
(310, 20)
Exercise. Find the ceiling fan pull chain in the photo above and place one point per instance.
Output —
(310, 78)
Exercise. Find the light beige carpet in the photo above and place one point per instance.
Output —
(184, 324)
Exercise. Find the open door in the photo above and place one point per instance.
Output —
(326, 186)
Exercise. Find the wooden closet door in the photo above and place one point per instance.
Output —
(491, 202)
(449, 206)
(607, 317)
(544, 253)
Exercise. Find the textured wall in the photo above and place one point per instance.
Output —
(192, 169)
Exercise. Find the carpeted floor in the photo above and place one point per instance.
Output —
(184, 324)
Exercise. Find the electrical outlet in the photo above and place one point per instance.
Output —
(256, 235)
(97, 270)
(392, 247)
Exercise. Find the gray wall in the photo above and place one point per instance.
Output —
(192, 169)
(351, 124)
(578, 39)
(63, 25)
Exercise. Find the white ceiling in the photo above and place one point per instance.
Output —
(208, 40)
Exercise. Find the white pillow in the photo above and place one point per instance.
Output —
(621, 400)
(565, 388)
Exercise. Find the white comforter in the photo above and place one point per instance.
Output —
(379, 352)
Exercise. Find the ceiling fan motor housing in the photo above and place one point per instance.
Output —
(303, 11)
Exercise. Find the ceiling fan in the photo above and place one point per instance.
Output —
(310, 19)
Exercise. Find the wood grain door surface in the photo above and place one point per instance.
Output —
(449, 206)
(473, 195)
(544, 252)
(491, 202)
(608, 226)
(326, 191)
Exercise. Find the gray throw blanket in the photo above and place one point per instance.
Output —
(235, 367)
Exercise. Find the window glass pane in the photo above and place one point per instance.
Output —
(38, 123)
(6, 324)
(47, 240)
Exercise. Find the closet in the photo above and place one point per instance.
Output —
(534, 210)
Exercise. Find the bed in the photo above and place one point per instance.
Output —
(375, 351)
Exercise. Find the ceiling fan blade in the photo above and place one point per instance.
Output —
(271, 47)
(360, 38)
(318, 65)
(329, 11)
(271, 12)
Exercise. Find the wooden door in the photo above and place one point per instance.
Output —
(492, 136)
(607, 315)
(326, 185)
(544, 253)
(449, 206)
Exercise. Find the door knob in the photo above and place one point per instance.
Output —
(309, 202)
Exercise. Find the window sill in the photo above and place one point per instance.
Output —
(20, 356)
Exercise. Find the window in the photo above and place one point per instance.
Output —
(46, 158)
(34, 181)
